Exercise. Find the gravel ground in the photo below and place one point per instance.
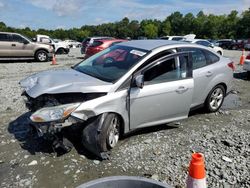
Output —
(160, 153)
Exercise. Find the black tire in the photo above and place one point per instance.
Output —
(60, 51)
(219, 52)
(107, 130)
(215, 99)
(41, 56)
(248, 75)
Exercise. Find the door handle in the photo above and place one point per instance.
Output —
(181, 89)
(209, 73)
(13, 44)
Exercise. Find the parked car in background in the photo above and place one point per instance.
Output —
(247, 44)
(90, 40)
(16, 46)
(179, 38)
(156, 82)
(246, 65)
(73, 43)
(206, 43)
(60, 47)
(225, 43)
(99, 45)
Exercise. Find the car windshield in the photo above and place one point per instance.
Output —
(112, 63)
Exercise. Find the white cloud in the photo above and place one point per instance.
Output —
(60, 7)
(135, 9)
(2, 5)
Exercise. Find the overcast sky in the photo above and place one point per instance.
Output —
(52, 14)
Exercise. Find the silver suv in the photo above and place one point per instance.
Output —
(16, 46)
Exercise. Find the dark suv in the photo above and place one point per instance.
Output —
(225, 44)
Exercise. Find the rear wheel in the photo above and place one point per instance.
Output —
(60, 51)
(41, 56)
(215, 98)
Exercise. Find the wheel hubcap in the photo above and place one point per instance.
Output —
(114, 133)
(42, 56)
(216, 98)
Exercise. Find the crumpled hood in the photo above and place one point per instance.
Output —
(62, 81)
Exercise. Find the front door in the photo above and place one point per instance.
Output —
(20, 47)
(166, 95)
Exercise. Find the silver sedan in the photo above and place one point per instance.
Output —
(130, 85)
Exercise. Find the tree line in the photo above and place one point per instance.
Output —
(232, 25)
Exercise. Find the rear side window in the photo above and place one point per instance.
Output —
(211, 58)
(96, 43)
(198, 57)
(4, 37)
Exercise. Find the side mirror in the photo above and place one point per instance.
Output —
(33, 39)
(139, 81)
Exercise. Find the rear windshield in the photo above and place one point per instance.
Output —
(96, 43)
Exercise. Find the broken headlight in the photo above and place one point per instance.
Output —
(53, 113)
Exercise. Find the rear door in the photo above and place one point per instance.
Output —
(203, 73)
(166, 95)
(5, 45)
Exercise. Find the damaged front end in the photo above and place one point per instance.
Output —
(63, 101)
(52, 116)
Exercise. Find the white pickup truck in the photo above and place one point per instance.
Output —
(60, 47)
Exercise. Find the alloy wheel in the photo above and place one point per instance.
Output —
(216, 98)
(113, 136)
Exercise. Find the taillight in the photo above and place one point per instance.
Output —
(248, 56)
(231, 65)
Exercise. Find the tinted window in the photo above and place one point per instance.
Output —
(169, 70)
(198, 57)
(211, 58)
(177, 38)
(204, 43)
(96, 43)
(17, 38)
(4, 37)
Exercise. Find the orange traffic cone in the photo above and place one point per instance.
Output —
(53, 60)
(242, 57)
(196, 174)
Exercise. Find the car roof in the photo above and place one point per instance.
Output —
(150, 44)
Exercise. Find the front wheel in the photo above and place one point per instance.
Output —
(219, 52)
(215, 98)
(110, 132)
(41, 56)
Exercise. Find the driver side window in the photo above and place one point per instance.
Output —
(17, 38)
